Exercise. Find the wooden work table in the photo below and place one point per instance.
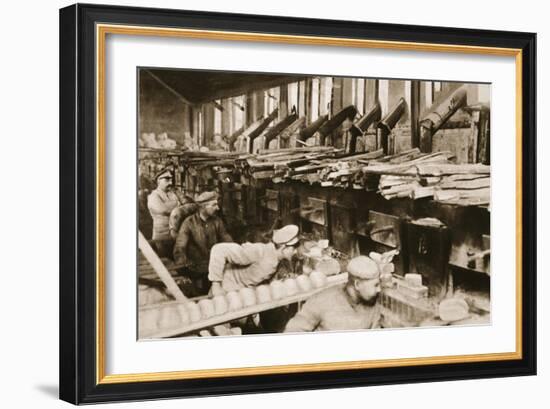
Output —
(234, 315)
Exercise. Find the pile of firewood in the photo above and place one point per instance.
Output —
(393, 175)
(399, 177)
(467, 184)
(463, 184)
(281, 164)
(409, 174)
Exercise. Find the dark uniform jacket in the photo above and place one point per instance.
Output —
(195, 240)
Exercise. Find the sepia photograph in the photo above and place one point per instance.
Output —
(273, 203)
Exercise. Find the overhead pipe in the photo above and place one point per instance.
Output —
(360, 127)
(278, 128)
(329, 126)
(231, 139)
(310, 130)
(432, 122)
(386, 125)
(263, 125)
(293, 129)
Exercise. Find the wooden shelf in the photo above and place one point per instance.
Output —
(234, 315)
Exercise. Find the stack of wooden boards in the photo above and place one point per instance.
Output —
(409, 174)
(445, 182)
(280, 164)
(266, 164)
(209, 158)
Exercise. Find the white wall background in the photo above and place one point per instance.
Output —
(29, 169)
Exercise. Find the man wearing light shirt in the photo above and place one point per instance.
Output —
(160, 203)
(233, 266)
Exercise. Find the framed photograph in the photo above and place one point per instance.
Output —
(257, 204)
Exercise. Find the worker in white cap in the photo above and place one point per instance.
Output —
(233, 266)
(196, 236)
(160, 203)
(350, 306)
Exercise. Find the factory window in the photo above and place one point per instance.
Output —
(266, 103)
(218, 117)
(228, 115)
(383, 95)
(407, 94)
(238, 112)
(271, 100)
(348, 91)
(371, 93)
(360, 95)
(429, 92)
(302, 98)
(201, 128)
(293, 96)
(314, 99)
(325, 95)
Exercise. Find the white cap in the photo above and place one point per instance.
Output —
(363, 267)
(287, 235)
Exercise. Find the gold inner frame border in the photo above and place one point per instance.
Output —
(102, 30)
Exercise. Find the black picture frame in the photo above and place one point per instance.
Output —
(79, 380)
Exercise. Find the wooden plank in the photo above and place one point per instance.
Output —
(421, 192)
(430, 180)
(406, 187)
(480, 202)
(466, 184)
(273, 152)
(363, 156)
(481, 195)
(159, 268)
(464, 176)
(415, 113)
(410, 166)
(483, 151)
(211, 154)
(426, 137)
(443, 195)
(450, 169)
(396, 181)
(266, 174)
(407, 156)
(473, 138)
